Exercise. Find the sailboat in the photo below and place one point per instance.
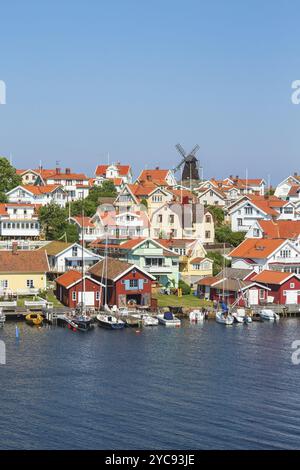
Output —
(82, 319)
(223, 316)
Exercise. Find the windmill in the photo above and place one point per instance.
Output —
(191, 165)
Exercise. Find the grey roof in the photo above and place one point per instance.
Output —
(233, 273)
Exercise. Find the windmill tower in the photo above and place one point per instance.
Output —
(190, 172)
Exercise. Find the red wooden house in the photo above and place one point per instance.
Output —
(284, 287)
(232, 286)
(71, 286)
(127, 284)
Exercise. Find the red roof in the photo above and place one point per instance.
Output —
(272, 277)
(49, 188)
(122, 169)
(69, 278)
(155, 176)
(287, 229)
(31, 261)
(256, 248)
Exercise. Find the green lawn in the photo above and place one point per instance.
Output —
(50, 298)
(184, 301)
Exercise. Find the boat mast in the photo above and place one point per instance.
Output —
(82, 257)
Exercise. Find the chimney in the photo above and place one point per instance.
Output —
(295, 173)
(157, 167)
(231, 177)
(68, 171)
(14, 248)
(58, 171)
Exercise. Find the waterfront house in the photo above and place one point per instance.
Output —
(19, 221)
(127, 284)
(284, 287)
(23, 272)
(33, 194)
(72, 289)
(264, 253)
(64, 256)
(232, 286)
(153, 257)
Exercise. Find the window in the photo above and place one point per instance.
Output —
(256, 232)
(286, 253)
(74, 251)
(133, 283)
(171, 219)
(29, 283)
(4, 284)
(208, 219)
(261, 294)
(98, 295)
(74, 295)
(159, 218)
(207, 234)
(248, 210)
(292, 285)
(240, 222)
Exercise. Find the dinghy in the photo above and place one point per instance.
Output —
(196, 316)
(268, 314)
(168, 319)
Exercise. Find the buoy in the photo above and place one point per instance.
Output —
(69, 326)
(74, 329)
(137, 331)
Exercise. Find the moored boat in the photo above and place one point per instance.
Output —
(34, 319)
(168, 319)
(196, 316)
(225, 318)
(145, 319)
(110, 322)
(268, 314)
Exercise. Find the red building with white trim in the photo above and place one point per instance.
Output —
(71, 285)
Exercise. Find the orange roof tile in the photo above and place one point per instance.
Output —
(68, 278)
(256, 248)
(123, 169)
(271, 277)
(288, 229)
(49, 188)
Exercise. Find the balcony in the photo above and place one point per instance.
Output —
(158, 269)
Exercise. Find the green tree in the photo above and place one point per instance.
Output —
(224, 234)
(89, 207)
(8, 178)
(186, 289)
(217, 213)
(53, 219)
(72, 234)
(219, 261)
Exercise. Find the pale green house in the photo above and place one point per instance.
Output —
(150, 255)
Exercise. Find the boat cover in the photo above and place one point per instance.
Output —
(168, 316)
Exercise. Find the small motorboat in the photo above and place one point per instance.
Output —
(34, 319)
(131, 320)
(109, 321)
(168, 319)
(145, 319)
(225, 318)
(240, 316)
(122, 311)
(83, 322)
(268, 314)
(196, 316)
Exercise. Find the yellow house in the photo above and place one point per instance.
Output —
(193, 263)
(23, 272)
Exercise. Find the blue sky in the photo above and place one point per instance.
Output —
(133, 77)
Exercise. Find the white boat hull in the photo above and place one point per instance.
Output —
(269, 315)
(196, 316)
(166, 322)
(224, 319)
